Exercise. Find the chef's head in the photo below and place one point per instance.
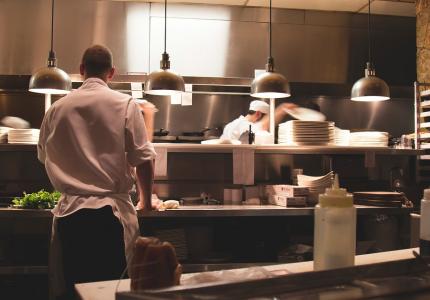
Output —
(257, 110)
(97, 62)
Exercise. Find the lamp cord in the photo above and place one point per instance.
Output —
(270, 28)
(52, 25)
(368, 32)
(165, 25)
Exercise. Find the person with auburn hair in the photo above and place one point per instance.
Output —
(90, 141)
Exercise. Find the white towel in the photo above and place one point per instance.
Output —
(243, 166)
(161, 162)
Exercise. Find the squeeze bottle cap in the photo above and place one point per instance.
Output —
(336, 196)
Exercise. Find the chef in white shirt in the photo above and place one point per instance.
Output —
(90, 141)
(257, 117)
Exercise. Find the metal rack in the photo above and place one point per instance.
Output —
(422, 121)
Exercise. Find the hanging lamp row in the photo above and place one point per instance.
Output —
(270, 84)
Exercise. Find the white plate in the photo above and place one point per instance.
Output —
(15, 122)
(305, 114)
(308, 122)
(9, 142)
(221, 142)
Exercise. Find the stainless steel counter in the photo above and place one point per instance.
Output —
(283, 149)
(216, 211)
(106, 289)
(269, 149)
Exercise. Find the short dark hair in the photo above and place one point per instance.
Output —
(97, 61)
(252, 112)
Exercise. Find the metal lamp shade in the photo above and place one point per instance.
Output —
(270, 85)
(370, 88)
(50, 80)
(164, 83)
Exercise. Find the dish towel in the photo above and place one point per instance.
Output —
(161, 162)
(243, 166)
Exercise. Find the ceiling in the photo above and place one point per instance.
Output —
(383, 7)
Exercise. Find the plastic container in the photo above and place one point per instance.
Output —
(334, 231)
(425, 224)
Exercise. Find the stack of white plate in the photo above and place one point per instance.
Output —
(306, 133)
(316, 185)
(3, 134)
(341, 137)
(23, 136)
(369, 139)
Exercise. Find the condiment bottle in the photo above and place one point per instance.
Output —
(425, 224)
(334, 229)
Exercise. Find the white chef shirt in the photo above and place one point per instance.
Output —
(236, 128)
(89, 141)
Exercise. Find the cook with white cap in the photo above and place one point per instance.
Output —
(257, 117)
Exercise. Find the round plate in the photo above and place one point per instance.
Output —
(305, 114)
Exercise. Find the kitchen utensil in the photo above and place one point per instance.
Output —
(196, 133)
(305, 114)
(378, 198)
(161, 132)
(192, 200)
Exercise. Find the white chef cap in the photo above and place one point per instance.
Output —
(258, 105)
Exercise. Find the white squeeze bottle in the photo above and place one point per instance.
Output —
(334, 229)
(425, 224)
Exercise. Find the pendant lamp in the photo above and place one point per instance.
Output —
(164, 82)
(370, 88)
(50, 80)
(270, 84)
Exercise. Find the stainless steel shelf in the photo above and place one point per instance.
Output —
(269, 149)
(222, 211)
(282, 149)
(202, 211)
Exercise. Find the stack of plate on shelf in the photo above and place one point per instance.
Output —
(304, 133)
(341, 137)
(369, 139)
(316, 185)
(386, 199)
(3, 134)
(23, 136)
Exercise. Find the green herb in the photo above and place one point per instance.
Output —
(42, 199)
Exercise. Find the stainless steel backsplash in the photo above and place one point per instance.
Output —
(207, 40)
(218, 41)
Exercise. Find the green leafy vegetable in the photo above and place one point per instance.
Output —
(42, 199)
